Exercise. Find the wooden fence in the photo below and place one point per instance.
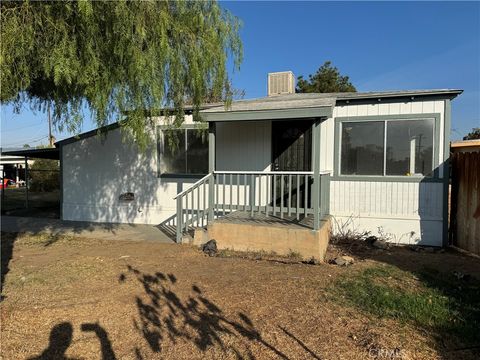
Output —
(465, 201)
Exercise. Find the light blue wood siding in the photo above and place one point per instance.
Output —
(244, 146)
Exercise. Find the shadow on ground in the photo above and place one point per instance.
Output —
(162, 314)
(105, 231)
(165, 316)
(35, 225)
(7, 244)
(61, 337)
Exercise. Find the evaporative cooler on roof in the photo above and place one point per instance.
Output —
(280, 83)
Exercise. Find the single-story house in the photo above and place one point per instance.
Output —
(374, 161)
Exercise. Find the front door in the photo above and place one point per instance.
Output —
(292, 151)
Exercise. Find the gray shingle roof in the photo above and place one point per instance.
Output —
(290, 101)
(308, 100)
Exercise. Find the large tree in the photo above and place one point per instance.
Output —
(116, 57)
(327, 79)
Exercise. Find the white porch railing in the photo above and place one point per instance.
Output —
(270, 193)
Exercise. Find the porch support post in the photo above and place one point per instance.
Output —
(16, 175)
(61, 180)
(316, 173)
(3, 187)
(26, 182)
(211, 169)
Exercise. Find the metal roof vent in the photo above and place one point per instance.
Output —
(281, 83)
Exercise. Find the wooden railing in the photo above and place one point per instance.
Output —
(193, 205)
(269, 193)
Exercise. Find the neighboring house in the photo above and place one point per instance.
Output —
(374, 161)
(13, 167)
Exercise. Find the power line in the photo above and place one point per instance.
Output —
(23, 127)
(31, 137)
(25, 142)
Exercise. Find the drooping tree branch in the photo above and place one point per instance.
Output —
(116, 57)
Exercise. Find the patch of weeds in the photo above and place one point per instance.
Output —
(294, 255)
(427, 298)
(346, 231)
(253, 255)
(291, 258)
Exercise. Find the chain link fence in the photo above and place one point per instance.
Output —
(36, 194)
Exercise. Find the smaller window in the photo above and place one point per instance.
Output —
(362, 148)
(183, 151)
(410, 147)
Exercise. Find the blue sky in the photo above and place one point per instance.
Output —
(380, 45)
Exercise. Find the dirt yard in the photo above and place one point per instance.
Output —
(74, 298)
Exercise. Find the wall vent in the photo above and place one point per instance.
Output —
(281, 83)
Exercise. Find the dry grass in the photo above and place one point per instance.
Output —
(80, 298)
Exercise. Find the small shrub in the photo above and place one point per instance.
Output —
(44, 175)
(294, 255)
(347, 232)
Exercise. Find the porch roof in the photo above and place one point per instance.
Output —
(274, 107)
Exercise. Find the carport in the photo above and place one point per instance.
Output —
(47, 153)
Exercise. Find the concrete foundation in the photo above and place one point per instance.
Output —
(275, 235)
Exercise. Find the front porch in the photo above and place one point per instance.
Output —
(286, 197)
(280, 211)
(265, 189)
(283, 212)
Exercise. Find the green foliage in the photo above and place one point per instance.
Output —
(439, 302)
(44, 175)
(327, 79)
(473, 135)
(115, 58)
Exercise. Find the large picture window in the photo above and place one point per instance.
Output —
(183, 151)
(387, 147)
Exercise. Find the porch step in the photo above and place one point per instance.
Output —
(260, 233)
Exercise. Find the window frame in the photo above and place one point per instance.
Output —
(161, 144)
(434, 177)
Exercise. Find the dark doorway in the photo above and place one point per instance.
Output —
(292, 145)
(292, 151)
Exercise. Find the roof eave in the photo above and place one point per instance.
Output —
(446, 94)
(270, 114)
(88, 134)
(46, 153)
